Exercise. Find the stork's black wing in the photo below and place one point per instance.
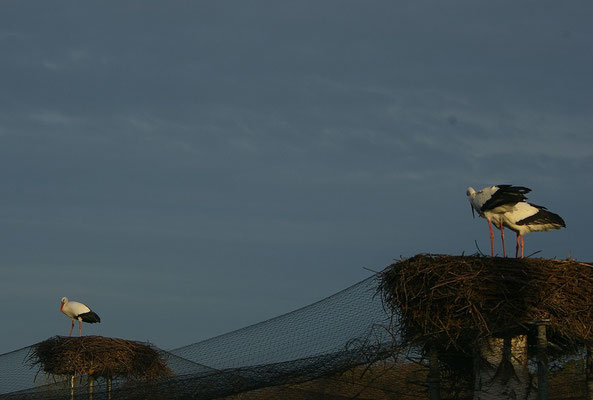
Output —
(506, 195)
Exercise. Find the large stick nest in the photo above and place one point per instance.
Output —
(453, 301)
(99, 357)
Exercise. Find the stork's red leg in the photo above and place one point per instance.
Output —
(71, 329)
(79, 328)
(522, 246)
(491, 239)
(518, 245)
(504, 253)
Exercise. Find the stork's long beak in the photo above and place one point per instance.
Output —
(473, 213)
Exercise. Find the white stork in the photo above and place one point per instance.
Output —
(494, 201)
(526, 217)
(80, 312)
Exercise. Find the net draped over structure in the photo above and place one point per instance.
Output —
(332, 335)
(348, 345)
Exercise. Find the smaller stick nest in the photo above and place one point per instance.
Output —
(453, 301)
(99, 357)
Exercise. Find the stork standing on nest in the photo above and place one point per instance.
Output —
(526, 217)
(492, 203)
(80, 312)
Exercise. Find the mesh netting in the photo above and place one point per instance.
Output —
(15, 374)
(342, 347)
(322, 328)
(344, 330)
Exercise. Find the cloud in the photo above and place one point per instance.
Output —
(48, 117)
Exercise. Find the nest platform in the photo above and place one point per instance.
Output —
(99, 356)
(453, 301)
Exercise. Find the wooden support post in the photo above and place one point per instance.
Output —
(589, 372)
(91, 387)
(500, 369)
(71, 387)
(542, 362)
(109, 388)
(434, 374)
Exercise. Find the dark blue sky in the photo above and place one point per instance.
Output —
(189, 168)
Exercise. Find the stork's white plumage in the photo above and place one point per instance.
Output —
(80, 312)
(494, 201)
(526, 217)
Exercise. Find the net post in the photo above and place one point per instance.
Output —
(72, 387)
(91, 387)
(589, 371)
(542, 359)
(434, 375)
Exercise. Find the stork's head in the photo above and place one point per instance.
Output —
(64, 301)
(471, 194)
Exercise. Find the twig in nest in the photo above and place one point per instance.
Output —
(478, 247)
